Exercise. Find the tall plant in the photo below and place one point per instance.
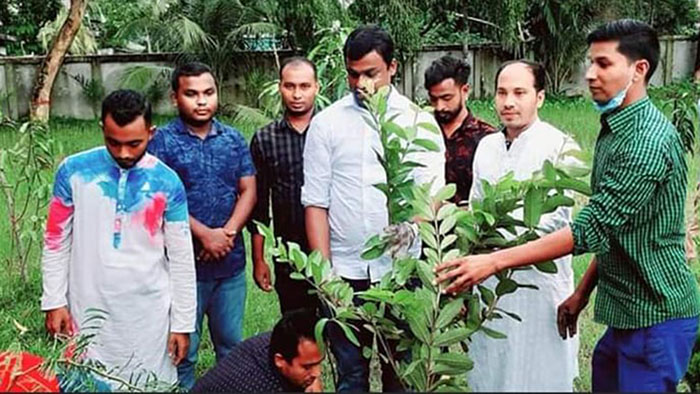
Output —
(25, 182)
(406, 306)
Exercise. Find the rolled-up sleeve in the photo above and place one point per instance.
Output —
(626, 185)
(317, 167)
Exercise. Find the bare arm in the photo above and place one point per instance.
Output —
(471, 270)
(244, 205)
(318, 230)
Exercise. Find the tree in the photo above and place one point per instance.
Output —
(23, 19)
(46, 75)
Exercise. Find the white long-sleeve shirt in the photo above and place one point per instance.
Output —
(341, 169)
(119, 241)
(533, 357)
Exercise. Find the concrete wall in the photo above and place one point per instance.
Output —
(68, 100)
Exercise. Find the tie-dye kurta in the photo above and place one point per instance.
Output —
(119, 240)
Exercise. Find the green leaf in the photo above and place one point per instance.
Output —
(446, 210)
(456, 360)
(297, 275)
(447, 241)
(447, 225)
(506, 286)
(493, 333)
(548, 267)
(487, 295)
(393, 128)
(430, 127)
(367, 352)
(318, 333)
(574, 184)
(534, 202)
(510, 314)
(549, 172)
(449, 312)
(473, 314)
(452, 336)
(451, 255)
(432, 256)
(374, 252)
(348, 333)
(426, 234)
(425, 273)
(446, 192)
(375, 294)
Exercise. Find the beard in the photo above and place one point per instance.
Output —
(126, 164)
(444, 117)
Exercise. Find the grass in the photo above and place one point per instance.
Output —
(19, 302)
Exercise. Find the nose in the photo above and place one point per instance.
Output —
(124, 152)
(296, 93)
(509, 102)
(202, 100)
(591, 72)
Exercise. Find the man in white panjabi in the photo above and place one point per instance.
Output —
(533, 357)
(115, 210)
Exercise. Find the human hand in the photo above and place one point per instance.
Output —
(216, 244)
(261, 274)
(315, 387)
(568, 312)
(465, 272)
(178, 344)
(59, 321)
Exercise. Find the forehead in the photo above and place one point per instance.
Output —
(308, 352)
(297, 70)
(447, 85)
(137, 129)
(196, 82)
(370, 61)
(607, 49)
(516, 75)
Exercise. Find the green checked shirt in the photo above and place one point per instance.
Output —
(634, 221)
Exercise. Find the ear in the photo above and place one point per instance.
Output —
(393, 66)
(465, 90)
(641, 69)
(279, 360)
(173, 98)
(151, 132)
(540, 98)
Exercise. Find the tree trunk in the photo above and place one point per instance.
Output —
(46, 75)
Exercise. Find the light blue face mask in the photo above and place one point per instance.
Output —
(614, 102)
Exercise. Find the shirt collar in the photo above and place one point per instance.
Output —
(284, 123)
(184, 129)
(619, 121)
(144, 161)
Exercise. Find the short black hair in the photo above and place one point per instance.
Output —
(191, 69)
(366, 39)
(636, 40)
(536, 68)
(447, 67)
(296, 60)
(290, 330)
(125, 106)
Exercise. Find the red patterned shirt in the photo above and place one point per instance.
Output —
(459, 154)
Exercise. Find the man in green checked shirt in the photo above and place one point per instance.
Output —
(633, 223)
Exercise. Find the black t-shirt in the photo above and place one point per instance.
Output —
(248, 368)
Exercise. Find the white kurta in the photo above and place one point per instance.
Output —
(105, 247)
(533, 357)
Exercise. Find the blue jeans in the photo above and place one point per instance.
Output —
(223, 300)
(353, 367)
(653, 358)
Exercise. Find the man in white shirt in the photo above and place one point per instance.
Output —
(115, 210)
(522, 146)
(343, 208)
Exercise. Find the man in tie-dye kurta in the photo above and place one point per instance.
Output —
(118, 240)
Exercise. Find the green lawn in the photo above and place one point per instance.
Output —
(19, 302)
